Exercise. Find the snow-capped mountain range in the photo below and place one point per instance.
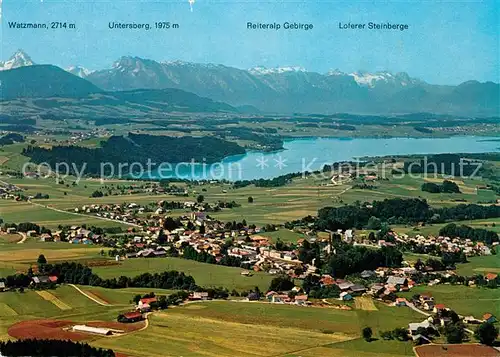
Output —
(21, 59)
(291, 89)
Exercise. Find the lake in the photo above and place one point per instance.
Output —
(309, 154)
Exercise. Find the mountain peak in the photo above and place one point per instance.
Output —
(18, 59)
(79, 71)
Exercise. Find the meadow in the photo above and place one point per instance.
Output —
(301, 197)
(237, 328)
(19, 257)
(215, 328)
(464, 300)
(206, 275)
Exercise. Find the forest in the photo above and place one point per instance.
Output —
(51, 348)
(137, 149)
(446, 187)
(399, 211)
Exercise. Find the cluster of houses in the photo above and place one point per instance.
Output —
(73, 235)
(447, 244)
(294, 297)
(11, 192)
(439, 316)
(348, 290)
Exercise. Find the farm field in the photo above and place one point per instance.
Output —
(17, 212)
(285, 235)
(480, 265)
(302, 197)
(260, 329)
(492, 224)
(464, 300)
(120, 296)
(204, 274)
(359, 348)
(475, 265)
(19, 257)
(216, 328)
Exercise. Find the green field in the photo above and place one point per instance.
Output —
(302, 197)
(217, 328)
(480, 265)
(15, 307)
(464, 300)
(492, 224)
(475, 265)
(260, 329)
(284, 235)
(19, 257)
(207, 275)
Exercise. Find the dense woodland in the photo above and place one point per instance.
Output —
(446, 187)
(399, 211)
(11, 139)
(136, 148)
(351, 259)
(51, 348)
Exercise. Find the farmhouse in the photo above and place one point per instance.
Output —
(40, 280)
(132, 316)
(489, 318)
(413, 327)
(490, 276)
(400, 302)
(199, 295)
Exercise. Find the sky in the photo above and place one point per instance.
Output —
(446, 43)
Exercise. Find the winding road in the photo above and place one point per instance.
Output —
(24, 235)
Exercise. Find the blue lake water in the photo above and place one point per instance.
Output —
(309, 154)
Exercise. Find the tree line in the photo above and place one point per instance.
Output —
(349, 259)
(51, 348)
(398, 211)
(76, 273)
(446, 187)
(136, 148)
(475, 234)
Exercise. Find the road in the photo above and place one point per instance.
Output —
(24, 235)
(84, 215)
(88, 296)
(413, 307)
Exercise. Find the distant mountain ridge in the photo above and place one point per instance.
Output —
(38, 88)
(292, 89)
(43, 81)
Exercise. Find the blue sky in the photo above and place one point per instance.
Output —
(446, 43)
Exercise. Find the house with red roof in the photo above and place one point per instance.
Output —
(438, 308)
(491, 276)
(489, 318)
(132, 316)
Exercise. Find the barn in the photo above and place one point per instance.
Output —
(93, 330)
